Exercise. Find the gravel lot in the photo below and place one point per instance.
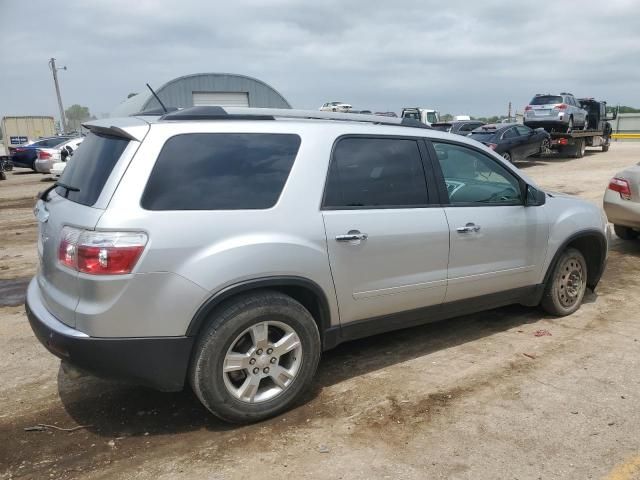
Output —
(483, 396)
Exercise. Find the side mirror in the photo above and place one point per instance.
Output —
(534, 197)
(64, 153)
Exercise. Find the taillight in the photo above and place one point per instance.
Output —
(42, 155)
(527, 108)
(561, 106)
(492, 146)
(621, 186)
(100, 253)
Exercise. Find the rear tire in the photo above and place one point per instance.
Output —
(507, 157)
(570, 125)
(567, 284)
(277, 344)
(625, 233)
(580, 148)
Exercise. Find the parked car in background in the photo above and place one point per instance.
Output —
(512, 140)
(459, 118)
(424, 115)
(336, 107)
(459, 128)
(561, 112)
(622, 203)
(47, 157)
(373, 242)
(24, 156)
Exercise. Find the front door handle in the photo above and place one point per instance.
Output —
(469, 228)
(351, 236)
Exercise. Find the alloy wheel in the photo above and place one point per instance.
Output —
(262, 362)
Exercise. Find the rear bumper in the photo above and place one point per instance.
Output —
(621, 212)
(21, 163)
(157, 362)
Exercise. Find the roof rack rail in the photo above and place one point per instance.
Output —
(244, 113)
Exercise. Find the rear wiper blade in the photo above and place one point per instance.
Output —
(44, 196)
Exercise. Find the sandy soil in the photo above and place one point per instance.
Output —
(481, 396)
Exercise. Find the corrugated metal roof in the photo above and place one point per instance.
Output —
(179, 92)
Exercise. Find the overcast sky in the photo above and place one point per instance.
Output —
(459, 57)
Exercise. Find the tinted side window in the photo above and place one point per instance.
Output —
(473, 178)
(523, 130)
(90, 167)
(375, 172)
(510, 133)
(220, 171)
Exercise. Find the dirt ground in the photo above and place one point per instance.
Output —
(506, 394)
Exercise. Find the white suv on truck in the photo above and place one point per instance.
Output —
(227, 248)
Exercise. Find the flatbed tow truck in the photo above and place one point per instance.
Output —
(597, 134)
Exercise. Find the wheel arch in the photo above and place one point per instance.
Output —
(593, 246)
(305, 291)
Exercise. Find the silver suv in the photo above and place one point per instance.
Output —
(227, 248)
(555, 112)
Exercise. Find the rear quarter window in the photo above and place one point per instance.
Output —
(220, 171)
(90, 167)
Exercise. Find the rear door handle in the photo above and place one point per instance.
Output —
(352, 235)
(469, 228)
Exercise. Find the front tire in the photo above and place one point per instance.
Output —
(625, 233)
(258, 354)
(507, 157)
(567, 284)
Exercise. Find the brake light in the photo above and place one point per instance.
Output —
(42, 155)
(527, 108)
(621, 186)
(492, 146)
(561, 106)
(100, 253)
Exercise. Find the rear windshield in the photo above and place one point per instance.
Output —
(443, 127)
(482, 136)
(90, 166)
(546, 100)
(220, 171)
(50, 142)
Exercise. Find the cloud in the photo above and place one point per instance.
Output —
(460, 57)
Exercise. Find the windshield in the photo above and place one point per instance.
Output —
(546, 100)
(411, 114)
(90, 167)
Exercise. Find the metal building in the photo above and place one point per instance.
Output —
(224, 89)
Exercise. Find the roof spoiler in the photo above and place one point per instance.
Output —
(112, 131)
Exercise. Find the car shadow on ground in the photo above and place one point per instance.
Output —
(113, 409)
(625, 247)
(549, 159)
(23, 172)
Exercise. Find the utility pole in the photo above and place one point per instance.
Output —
(54, 70)
(509, 112)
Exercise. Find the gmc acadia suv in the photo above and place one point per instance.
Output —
(227, 248)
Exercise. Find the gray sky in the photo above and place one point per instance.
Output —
(459, 57)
